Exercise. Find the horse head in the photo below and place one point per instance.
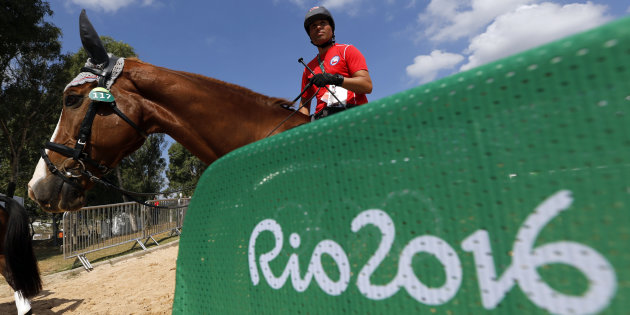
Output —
(107, 113)
(91, 136)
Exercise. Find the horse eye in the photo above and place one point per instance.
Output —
(72, 100)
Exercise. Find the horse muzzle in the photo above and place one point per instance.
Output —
(55, 195)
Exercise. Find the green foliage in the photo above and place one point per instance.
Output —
(142, 171)
(31, 82)
(23, 30)
(117, 48)
(33, 74)
(184, 169)
(99, 195)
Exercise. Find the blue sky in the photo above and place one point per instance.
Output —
(256, 44)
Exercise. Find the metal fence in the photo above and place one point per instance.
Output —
(95, 228)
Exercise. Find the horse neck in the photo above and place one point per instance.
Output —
(207, 116)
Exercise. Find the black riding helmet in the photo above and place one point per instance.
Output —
(318, 13)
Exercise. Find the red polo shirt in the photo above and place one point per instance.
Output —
(339, 59)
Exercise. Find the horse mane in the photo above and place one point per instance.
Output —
(275, 102)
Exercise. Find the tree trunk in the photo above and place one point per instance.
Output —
(132, 218)
(120, 183)
(55, 229)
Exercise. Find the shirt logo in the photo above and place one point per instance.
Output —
(334, 60)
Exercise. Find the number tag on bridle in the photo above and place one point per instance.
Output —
(100, 94)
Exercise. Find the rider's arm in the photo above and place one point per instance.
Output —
(359, 83)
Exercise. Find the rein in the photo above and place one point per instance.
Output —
(100, 96)
(295, 111)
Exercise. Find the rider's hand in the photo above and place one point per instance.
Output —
(323, 79)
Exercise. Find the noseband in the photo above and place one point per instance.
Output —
(100, 96)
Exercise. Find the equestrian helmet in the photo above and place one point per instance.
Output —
(318, 13)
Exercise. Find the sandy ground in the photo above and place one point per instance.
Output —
(141, 283)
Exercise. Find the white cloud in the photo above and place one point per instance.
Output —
(336, 4)
(531, 26)
(299, 3)
(425, 68)
(351, 7)
(108, 5)
(453, 19)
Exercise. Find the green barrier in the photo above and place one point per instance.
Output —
(502, 190)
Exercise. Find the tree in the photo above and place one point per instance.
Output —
(22, 28)
(33, 74)
(184, 169)
(31, 82)
(117, 48)
(99, 195)
(142, 170)
(28, 113)
(139, 172)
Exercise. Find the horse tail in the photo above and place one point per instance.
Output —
(22, 272)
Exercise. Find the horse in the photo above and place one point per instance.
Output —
(207, 116)
(18, 264)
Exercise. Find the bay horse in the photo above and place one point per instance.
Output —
(18, 264)
(208, 117)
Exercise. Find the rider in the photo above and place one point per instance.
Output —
(340, 67)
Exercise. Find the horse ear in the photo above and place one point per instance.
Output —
(91, 42)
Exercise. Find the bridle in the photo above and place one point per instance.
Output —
(100, 96)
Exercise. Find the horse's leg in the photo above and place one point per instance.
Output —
(23, 304)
